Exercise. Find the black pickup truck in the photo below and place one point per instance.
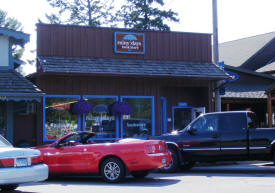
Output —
(220, 136)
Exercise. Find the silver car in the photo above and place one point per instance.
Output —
(20, 165)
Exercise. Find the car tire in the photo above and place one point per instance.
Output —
(8, 187)
(112, 170)
(174, 164)
(187, 166)
(140, 174)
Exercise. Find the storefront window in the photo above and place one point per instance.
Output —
(3, 119)
(140, 122)
(58, 118)
(100, 120)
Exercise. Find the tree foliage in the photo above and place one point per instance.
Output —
(9, 22)
(81, 12)
(14, 24)
(140, 14)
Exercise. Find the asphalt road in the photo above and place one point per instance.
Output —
(244, 177)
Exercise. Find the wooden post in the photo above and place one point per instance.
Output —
(269, 109)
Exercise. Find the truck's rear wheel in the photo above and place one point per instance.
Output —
(187, 165)
(174, 164)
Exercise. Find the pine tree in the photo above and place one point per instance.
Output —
(140, 14)
(82, 12)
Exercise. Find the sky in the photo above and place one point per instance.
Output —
(236, 18)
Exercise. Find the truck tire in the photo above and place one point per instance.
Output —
(187, 166)
(174, 164)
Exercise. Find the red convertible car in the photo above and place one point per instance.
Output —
(77, 153)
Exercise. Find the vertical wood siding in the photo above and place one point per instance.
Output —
(194, 92)
(76, 41)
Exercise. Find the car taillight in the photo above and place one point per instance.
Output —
(9, 162)
(154, 148)
(150, 148)
(37, 159)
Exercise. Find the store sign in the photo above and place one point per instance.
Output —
(136, 125)
(129, 43)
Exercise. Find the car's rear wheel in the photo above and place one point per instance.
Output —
(174, 164)
(8, 187)
(112, 170)
(140, 174)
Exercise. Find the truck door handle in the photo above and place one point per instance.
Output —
(215, 136)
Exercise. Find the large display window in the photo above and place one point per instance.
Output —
(101, 120)
(140, 122)
(57, 117)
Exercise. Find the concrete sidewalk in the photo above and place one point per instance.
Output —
(245, 166)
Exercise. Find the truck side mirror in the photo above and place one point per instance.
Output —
(192, 131)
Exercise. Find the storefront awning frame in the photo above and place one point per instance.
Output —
(21, 96)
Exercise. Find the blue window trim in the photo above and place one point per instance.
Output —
(44, 112)
(164, 114)
(117, 121)
(173, 112)
(152, 110)
(119, 52)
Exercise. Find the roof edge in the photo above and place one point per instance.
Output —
(18, 36)
(117, 28)
(250, 72)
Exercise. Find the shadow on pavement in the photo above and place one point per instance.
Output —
(228, 169)
(150, 181)
(240, 169)
(15, 191)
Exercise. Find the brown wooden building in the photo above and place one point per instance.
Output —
(163, 76)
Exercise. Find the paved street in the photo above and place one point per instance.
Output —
(245, 177)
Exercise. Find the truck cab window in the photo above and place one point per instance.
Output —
(252, 121)
(206, 124)
(233, 122)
